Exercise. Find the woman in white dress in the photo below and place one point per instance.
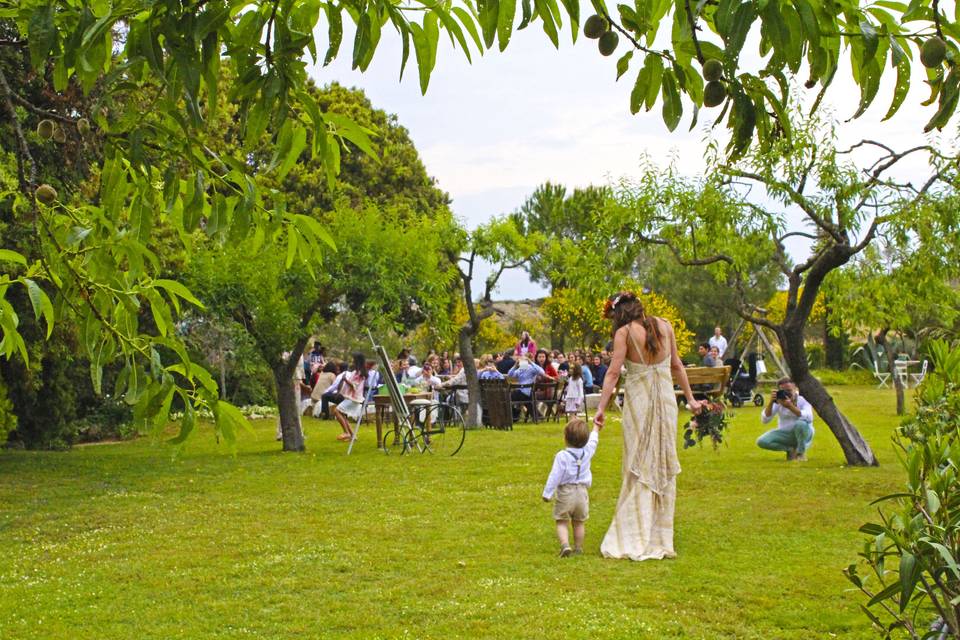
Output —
(642, 526)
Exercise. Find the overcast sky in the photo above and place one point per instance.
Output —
(492, 131)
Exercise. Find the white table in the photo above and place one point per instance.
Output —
(901, 370)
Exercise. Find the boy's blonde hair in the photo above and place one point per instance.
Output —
(577, 433)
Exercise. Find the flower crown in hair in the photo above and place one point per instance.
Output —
(612, 303)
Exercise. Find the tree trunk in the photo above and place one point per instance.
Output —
(288, 403)
(470, 370)
(855, 449)
(834, 346)
(881, 340)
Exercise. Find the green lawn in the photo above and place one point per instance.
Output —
(119, 541)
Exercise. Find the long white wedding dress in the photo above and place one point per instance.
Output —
(642, 527)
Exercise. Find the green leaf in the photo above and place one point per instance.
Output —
(623, 64)
(949, 93)
(175, 289)
(672, 106)
(947, 557)
(41, 34)
(489, 17)
(41, 304)
(870, 41)
(187, 424)
(9, 255)
(901, 88)
(888, 592)
(506, 13)
(334, 32)
(298, 142)
(909, 574)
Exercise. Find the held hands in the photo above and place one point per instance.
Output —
(598, 419)
(695, 406)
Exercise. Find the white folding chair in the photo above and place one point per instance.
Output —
(879, 375)
(918, 377)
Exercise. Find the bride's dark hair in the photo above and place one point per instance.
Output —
(624, 308)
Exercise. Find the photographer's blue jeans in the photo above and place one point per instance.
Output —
(797, 439)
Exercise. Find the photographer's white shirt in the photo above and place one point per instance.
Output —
(787, 420)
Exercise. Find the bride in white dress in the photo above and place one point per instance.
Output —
(642, 526)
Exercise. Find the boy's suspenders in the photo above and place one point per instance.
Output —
(577, 460)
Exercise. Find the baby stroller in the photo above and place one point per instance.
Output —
(743, 381)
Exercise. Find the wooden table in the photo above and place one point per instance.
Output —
(383, 406)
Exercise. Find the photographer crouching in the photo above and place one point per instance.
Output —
(794, 431)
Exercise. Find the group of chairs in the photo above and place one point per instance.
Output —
(499, 406)
(906, 378)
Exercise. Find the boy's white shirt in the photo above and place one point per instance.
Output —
(564, 469)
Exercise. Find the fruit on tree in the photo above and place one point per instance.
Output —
(595, 26)
(59, 135)
(933, 52)
(712, 70)
(714, 93)
(45, 129)
(83, 127)
(608, 42)
(46, 194)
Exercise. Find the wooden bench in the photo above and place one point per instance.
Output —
(706, 381)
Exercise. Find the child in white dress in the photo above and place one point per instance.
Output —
(573, 397)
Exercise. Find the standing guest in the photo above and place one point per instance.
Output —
(794, 432)
(505, 364)
(570, 479)
(352, 388)
(526, 346)
(317, 358)
(706, 360)
(487, 370)
(525, 373)
(719, 342)
(598, 370)
(574, 394)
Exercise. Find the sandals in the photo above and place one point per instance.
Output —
(343, 437)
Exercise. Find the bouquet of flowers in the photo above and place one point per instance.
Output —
(710, 423)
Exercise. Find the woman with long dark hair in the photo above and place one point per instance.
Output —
(352, 389)
(642, 526)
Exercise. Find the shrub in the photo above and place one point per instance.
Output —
(816, 356)
(912, 556)
(829, 377)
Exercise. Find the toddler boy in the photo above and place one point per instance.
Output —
(570, 478)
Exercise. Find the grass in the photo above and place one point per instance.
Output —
(118, 541)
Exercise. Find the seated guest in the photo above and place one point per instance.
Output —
(543, 361)
(400, 369)
(458, 379)
(320, 383)
(330, 394)
(525, 373)
(506, 362)
(586, 373)
(446, 368)
(487, 370)
(715, 354)
(426, 380)
(598, 369)
(794, 432)
(706, 359)
(374, 380)
(563, 367)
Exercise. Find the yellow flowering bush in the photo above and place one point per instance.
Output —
(582, 317)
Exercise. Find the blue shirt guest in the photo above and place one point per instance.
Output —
(525, 373)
